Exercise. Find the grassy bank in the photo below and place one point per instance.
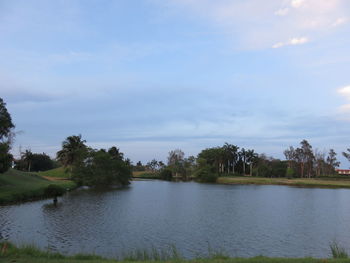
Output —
(10, 253)
(301, 182)
(59, 173)
(16, 186)
(145, 175)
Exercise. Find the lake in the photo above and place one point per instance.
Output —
(242, 220)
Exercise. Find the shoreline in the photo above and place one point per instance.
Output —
(12, 253)
(331, 183)
(20, 187)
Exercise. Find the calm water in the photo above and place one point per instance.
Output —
(241, 220)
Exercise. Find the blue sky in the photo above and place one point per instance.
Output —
(150, 76)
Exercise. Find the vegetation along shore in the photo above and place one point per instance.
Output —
(298, 182)
(18, 186)
(11, 253)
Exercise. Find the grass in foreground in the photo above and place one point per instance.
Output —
(16, 186)
(302, 182)
(10, 253)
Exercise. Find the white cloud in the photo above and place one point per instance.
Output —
(340, 21)
(282, 12)
(345, 92)
(292, 42)
(256, 24)
(297, 3)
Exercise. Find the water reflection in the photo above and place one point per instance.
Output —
(241, 220)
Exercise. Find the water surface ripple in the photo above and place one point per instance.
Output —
(242, 220)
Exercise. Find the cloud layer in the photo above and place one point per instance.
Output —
(264, 24)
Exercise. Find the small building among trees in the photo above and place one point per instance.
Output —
(343, 171)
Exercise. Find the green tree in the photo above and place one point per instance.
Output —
(251, 158)
(176, 162)
(27, 157)
(243, 157)
(101, 168)
(73, 147)
(332, 160)
(41, 162)
(6, 135)
(347, 154)
(231, 155)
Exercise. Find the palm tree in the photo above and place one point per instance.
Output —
(232, 155)
(243, 156)
(28, 158)
(72, 148)
(251, 158)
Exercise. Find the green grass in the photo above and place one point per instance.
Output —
(59, 172)
(30, 254)
(302, 182)
(16, 186)
(145, 175)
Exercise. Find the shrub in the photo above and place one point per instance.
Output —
(166, 174)
(290, 173)
(206, 175)
(337, 251)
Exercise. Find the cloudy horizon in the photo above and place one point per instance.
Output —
(150, 76)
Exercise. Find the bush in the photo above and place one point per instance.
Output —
(290, 173)
(5, 157)
(166, 174)
(337, 251)
(206, 175)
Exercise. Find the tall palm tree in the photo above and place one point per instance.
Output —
(243, 156)
(72, 148)
(232, 155)
(28, 158)
(251, 158)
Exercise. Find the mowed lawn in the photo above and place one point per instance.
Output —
(302, 182)
(22, 186)
(59, 173)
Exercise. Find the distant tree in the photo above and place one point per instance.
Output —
(206, 174)
(5, 157)
(320, 163)
(27, 157)
(73, 147)
(139, 167)
(153, 165)
(115, 153)
(243, 158)
(189, 165)
(101, 168)
(161, 165)
(332, 161)
(175, 156)
(232, 156)
(308, 156)
(251, 158)
(166, 174)
(290, 156)
(176, 162)
(347, 154)
(41, 162)
(6, 135)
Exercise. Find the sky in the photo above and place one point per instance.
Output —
(150, 76)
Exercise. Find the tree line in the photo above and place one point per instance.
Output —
(88, 166)
(231, 160)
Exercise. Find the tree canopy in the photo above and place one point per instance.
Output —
(6, 134)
